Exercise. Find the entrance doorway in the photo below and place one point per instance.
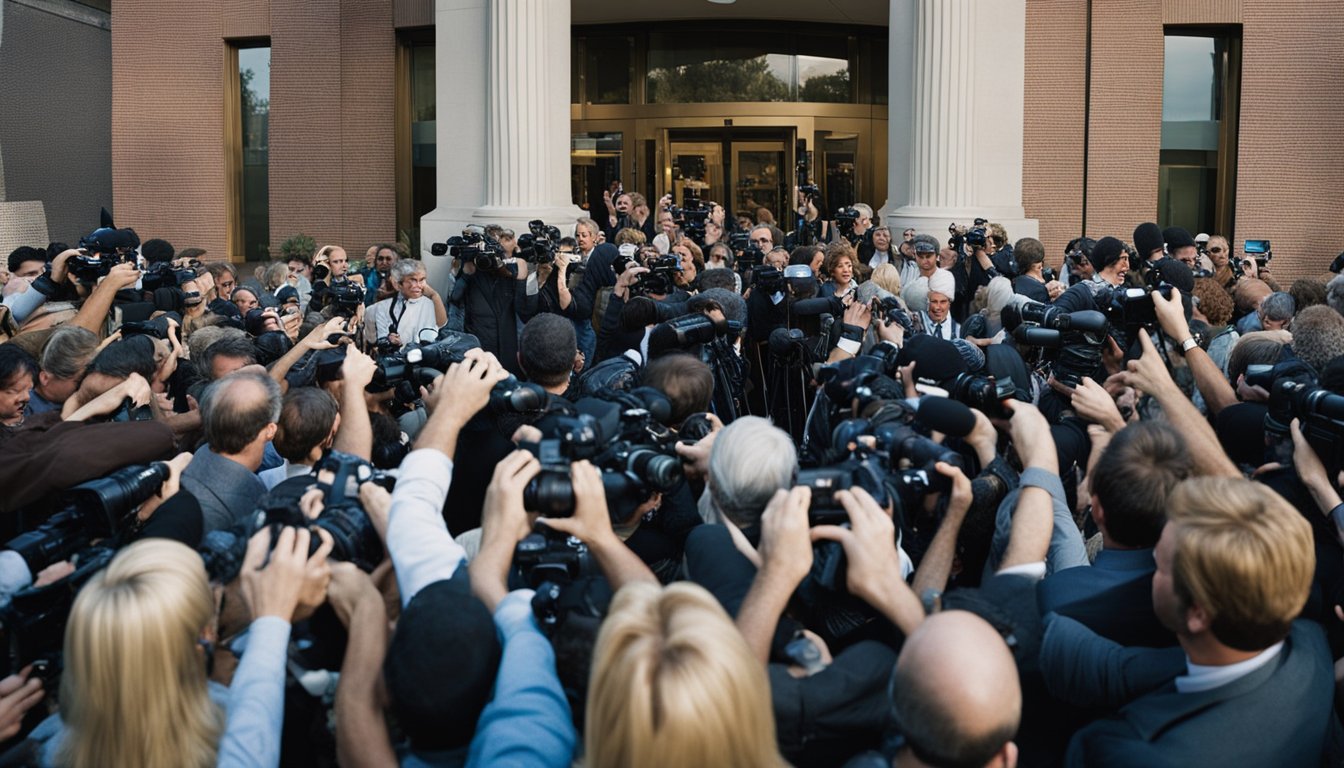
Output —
(744, 169)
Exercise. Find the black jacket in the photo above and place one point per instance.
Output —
(490, 300)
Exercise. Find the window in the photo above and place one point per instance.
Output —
(416, 144)
(1200, 97)
(595, 162)
(248, 135)
(691, 63)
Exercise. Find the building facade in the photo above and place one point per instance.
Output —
(250, 121)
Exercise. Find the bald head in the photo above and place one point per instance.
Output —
(238, 410)
(956, 692)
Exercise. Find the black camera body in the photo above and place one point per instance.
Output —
(691, 216)
(164, 275)
(622, 436)
(345, 297)
(420, 364)
(1074, 340)
(472, 245)
(660, 280)
(539, 244)
(1320, 411)
(103, 248)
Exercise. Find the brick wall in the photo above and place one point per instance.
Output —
(1052, 142)
(167, 122)
(1290, 175)
(331, 121)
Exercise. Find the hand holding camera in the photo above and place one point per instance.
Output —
(591, 521)
(786, 545)
(874, 567)
(278, 584)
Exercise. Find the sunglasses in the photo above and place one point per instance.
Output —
(1217, 250)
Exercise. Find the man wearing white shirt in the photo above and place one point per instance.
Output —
(415, 307)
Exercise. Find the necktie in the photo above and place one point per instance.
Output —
(938, 330)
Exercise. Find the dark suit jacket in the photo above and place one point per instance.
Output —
(1278, 715)
(597, 274)
(1113, 597)
(226, 489)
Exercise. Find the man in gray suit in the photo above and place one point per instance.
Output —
(239, 414)
(1254, 687)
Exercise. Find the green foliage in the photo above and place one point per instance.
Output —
(827, 89)
(298, 246)
(409, 240)
(713, 81)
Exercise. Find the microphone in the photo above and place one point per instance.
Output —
(947, 416)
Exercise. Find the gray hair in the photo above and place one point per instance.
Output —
(405, 268)
(864, 209)
(201, 338)
(751, 459)
(1278, 306)
(232, 414)
(1334, 294)
(68, 351)
(588, 224)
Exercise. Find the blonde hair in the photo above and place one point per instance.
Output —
(134, 689)
(631, 236)
(674, 684)
(1241, 553)
(888, 278)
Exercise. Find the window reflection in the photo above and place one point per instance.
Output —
(254, 79)
(719, 67)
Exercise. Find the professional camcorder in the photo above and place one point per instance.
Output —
(539, 244)
(103, 249)
(472, 245)
(420, 364)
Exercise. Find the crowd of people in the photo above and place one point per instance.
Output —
(678, 489)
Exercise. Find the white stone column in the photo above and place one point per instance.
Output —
(527, 115)
(955, 104)
(459, 132)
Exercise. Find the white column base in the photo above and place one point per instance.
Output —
(934, 221)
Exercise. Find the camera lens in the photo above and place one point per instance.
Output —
(550, 493)
(115, 495)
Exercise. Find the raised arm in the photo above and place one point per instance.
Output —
(355, 434)
(786, 557)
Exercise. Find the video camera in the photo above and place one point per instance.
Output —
(420, 364)
(164, 275)
(472, 245)
(845, 219)
(103, 249)
(345, 297)
(1074, 339)
(99, 515)
(1321, 413)
(691, 217)
(539, 244)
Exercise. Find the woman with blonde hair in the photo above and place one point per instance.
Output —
(888, 278)
(674, 684)
(134, 690)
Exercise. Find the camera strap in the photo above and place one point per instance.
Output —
(393, 316)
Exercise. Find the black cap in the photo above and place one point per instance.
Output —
(1176, 274)
(440, 666)
(1106, 252)
(1177, 237)
(157, 251)
(1148, 238)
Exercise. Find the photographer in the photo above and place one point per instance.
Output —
(416, 307)
(490, 298)
(1031, 280)
(443, 658)
(552, 292)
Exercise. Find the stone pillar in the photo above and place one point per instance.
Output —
(459, 132)
(955, 123)
(527, 115)
(503, 131)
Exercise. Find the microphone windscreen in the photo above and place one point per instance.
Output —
(947, 416)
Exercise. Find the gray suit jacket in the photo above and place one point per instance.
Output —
(1281, 714)
(226, 489)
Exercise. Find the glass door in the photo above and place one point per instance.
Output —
(761, 177)
(697, 171)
